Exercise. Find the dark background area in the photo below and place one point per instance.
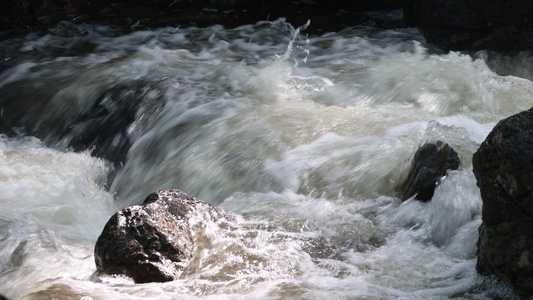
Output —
(326, 15)
(503, 25)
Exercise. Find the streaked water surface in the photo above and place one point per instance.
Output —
(305, 139)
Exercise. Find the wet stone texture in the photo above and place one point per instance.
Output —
(503, 167)
(151, 242)
(430, 164)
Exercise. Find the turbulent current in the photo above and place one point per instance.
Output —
(304, 138)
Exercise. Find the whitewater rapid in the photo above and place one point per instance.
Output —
(304, 139)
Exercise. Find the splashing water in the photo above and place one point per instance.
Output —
(304, 139)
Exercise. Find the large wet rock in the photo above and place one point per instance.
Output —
(430, 163)
(503, 167)
(152, 242)
(473, 24)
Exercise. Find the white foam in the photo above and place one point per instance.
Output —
(54, 206)
(305, 137)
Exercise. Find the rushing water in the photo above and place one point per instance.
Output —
(305, 139)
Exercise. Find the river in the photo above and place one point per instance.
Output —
(303, 138)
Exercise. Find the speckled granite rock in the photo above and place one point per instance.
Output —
(152, 242)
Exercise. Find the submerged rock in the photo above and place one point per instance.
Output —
(106, 123)
(430, 163)
(473, 24)
(107, 128)
(503, 166)
(151, 242)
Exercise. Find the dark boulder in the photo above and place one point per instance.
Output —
(503, 166)
(473, 24)
(152, 242)
(430, 164)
